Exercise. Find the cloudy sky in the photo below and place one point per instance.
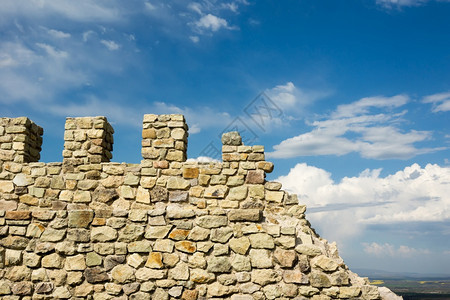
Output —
(350, 98)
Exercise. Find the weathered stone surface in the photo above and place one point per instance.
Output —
(178, 196)
(31, 259)
(308, 291)
(237, 193)
(18, 273)
(78, 235)
(221, 235)
(255, 177)
(310, 250)
(154, 260)
(253, 215)
(199, 234)
(260, 258)
(179, 272)
(349, 291)
(145, 274)
(53, 260)
(285, 241)
(294, 276)
(240, 245)
(186, 246)
(339, 278)
(175, 211)
(111, 261)
(275, 196)
(370, 292)
(261, 240)
(93, 259)
(189, 295)
(143, 246)
(272, 291)
(157, 232)
(163, 246)
(178, 234)
(285, 258)
(325, 263)
(158, 193)
(216, 191)
(319, 279)
(241, 263)
(5, 288)
(75, 263)
(219, 265)
(217, 290)
(211, 221)
(170, 259)
(6, 187)
(13, 257)
(162, 229)
(14, 242)
(190, 173)
(22, 288)
(177, 183)
(105, 195)
(232, 138)
(80, 218)
(61, 292)
(123, 274)
(131, 233)
(103, 234)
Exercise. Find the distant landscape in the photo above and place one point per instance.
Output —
(412, 286)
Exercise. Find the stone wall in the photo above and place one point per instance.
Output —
(166, 228)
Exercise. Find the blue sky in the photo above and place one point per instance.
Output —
(350, 98)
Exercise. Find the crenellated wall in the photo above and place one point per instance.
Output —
(166, 228)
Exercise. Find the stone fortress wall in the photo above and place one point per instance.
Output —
(88, 228)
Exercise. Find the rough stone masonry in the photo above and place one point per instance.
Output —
(88, 228)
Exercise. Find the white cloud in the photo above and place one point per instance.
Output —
(82, 10)
(279, 106)
(387, 249)
(34, 73)
(197, 7)
(353, 128)
(441, 101)
(149, 6)
(87, 34)
(363, 105)
(111, 45)
(202, 159)
(212, 23)
(194, 38)
(116, 113)
(58, 34)
(344, 209)
(231, 6)
(52, 51)
(399, 3)
(198, 118)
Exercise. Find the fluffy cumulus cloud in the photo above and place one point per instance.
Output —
(279, 106)
(387, 249)
(441, 102)
(345, 209)
(390, 4)
(368, 126)
(207, 16)
(211, 22)
(84, 10)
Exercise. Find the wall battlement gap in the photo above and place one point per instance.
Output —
(167, 228)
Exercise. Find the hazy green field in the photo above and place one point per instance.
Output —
(413, 289)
